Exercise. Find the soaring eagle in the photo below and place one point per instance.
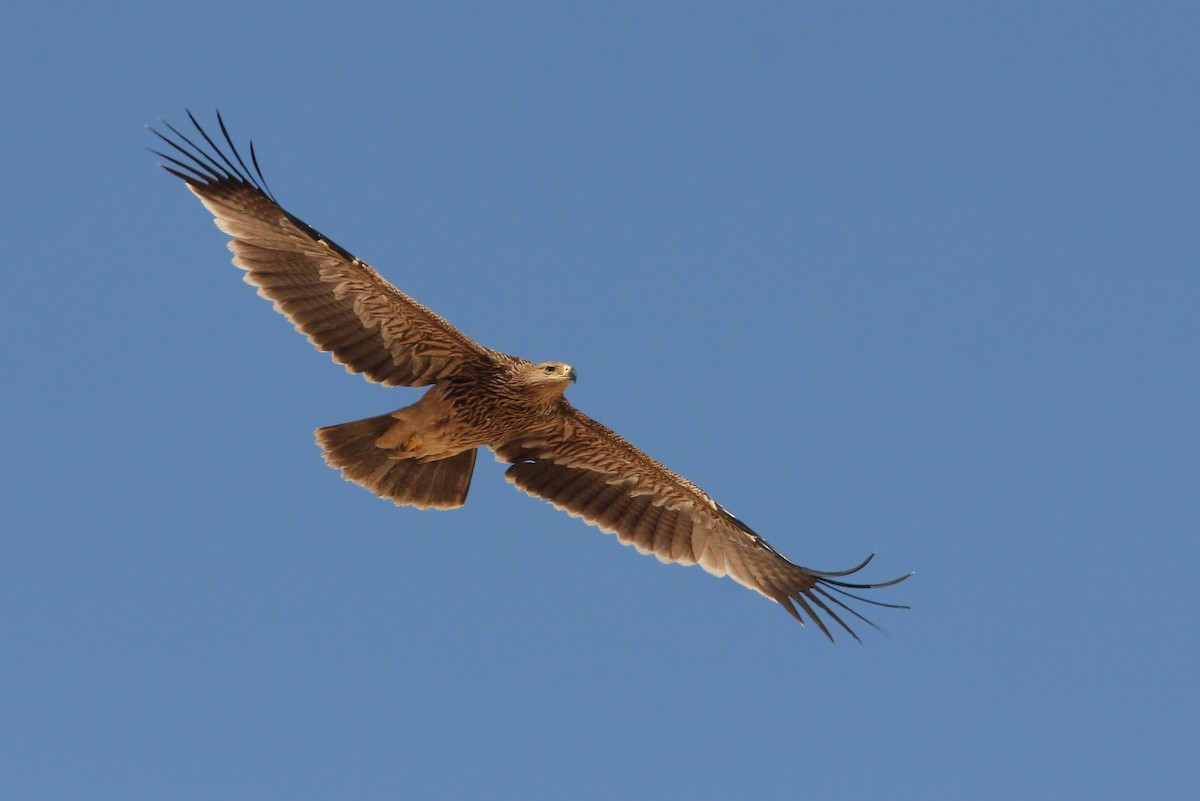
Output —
(423, 455)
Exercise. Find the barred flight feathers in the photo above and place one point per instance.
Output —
(424, 454)
(339, 302)
(590, 471)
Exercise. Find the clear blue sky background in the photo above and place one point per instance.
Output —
(915, 278)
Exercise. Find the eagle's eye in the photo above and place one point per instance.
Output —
(549, 371)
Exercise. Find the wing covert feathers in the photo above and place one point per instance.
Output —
(591, 472)
(339, 302)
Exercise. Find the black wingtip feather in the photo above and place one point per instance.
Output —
(212, 164)
(258, 171)
(234, 171)
(799, 599)
(233, 148)
(823, 588)
(197, 153)
(197, 175)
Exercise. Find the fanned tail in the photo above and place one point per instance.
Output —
(351, 448)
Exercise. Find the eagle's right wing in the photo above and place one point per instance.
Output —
(590, 471)
(339, 302)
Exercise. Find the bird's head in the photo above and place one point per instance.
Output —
(548, 379)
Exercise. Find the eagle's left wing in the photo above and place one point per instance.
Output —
(339, 302)
(590, 471)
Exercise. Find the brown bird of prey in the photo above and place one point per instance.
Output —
(423, 455)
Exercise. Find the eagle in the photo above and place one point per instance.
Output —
(423, 455)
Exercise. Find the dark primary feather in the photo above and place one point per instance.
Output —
(563, 456)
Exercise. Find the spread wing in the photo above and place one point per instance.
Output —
(589, 471)
(340, 303)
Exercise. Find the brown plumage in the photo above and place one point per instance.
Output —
(423, 455)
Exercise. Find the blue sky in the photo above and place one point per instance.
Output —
(911, 278)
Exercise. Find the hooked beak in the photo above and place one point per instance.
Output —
(572, 376)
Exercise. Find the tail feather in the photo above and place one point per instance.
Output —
(350, 447)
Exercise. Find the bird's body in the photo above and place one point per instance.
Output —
(399, 455)
(424, 454)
